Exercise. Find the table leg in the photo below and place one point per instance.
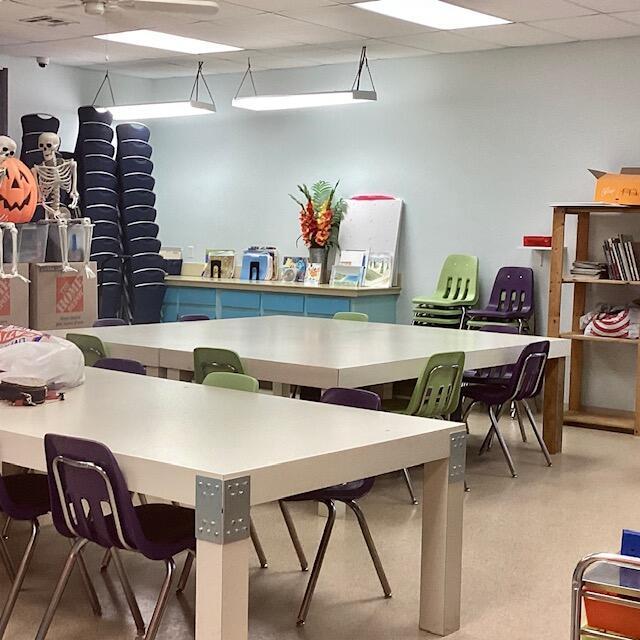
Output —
(281, 389)
(553, 410)
(441, 570)
(222, 590)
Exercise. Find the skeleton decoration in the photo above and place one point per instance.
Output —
(10, 227)
(8, 149)
(54, 176)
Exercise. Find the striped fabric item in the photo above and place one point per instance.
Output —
(610, 325)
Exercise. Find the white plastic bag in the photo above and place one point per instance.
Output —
(59, 362)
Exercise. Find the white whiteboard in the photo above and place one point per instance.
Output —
(372, 225)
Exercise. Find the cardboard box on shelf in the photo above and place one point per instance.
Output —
(618, 188)
(61, 300)
(14, 298)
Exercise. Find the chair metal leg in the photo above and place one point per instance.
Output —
(186, 571)
(76, 548)
(106, 559)
(257, 545)
(407, 480)
(6, 527)
(366, 534)
(317, 564)
(536, 431)
(293, 533)
(88, 584)
(163, 598)
(523, 433)
(19, 579)
(128, 591)
(503, 444)
(5, 556)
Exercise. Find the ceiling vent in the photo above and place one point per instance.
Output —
(48, 21)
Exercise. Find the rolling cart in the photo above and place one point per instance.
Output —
(608, 585)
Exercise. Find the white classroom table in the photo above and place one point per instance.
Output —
(323, 353)
(173, 439)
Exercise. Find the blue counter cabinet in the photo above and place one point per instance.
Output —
(237, 299)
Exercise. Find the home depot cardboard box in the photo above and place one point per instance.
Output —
(14, 298)
(60, 300)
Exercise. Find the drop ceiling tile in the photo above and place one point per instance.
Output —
(357, 21)
(379, 49)
(609, 6)
(525, 10)
(629, 16)
(281, 5)
(591, 27)
(444, 42)
(514, 35)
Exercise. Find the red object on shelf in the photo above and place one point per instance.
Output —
(536, 241)
(614, 618)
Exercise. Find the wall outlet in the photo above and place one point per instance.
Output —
(190, 252)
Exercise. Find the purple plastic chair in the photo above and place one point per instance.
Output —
(121, 364)
(109, 322)
(511, 298)
(347, 493)
(524, 382)
(84, 476)
(25, 497)
(193, 317)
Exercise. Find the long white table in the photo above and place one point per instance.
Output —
(185, 442)
(325, 353)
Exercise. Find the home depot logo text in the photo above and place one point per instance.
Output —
(69, 294)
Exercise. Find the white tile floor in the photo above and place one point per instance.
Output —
(522, 540)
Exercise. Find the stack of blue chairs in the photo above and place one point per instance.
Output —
(145, 267)
(99, 197)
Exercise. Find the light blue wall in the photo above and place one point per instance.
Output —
(477, 145)
(59, 90)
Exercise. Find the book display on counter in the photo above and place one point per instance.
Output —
(145, 267)
(220, 263)
(293, 269)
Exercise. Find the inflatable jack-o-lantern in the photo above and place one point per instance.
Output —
(18, 191)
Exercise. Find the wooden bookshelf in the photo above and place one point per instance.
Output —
(578, 414)
(587, 280)
(576, 335)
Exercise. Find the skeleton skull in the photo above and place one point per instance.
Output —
(49, 143)
(7, 147)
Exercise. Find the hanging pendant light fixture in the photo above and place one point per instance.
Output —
(305, 100)
(152, 110)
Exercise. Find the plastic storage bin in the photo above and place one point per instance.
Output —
(32, 243)
(76, 243)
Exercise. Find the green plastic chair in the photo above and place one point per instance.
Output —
(351, 315)
(457, 285)
(436, 394)
(207, 360)
(236, 381)
(91, 347)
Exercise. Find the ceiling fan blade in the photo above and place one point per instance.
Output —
(204, 7)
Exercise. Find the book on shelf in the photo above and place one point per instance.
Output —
(589, 268)
(312, 275)
(220, 263)
(378, 273)
(293, 269)
(621, 255)
(344, 275)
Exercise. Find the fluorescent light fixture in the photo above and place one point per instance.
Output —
(303, 100)
(152, 110)
(166, 41)
(431, 13)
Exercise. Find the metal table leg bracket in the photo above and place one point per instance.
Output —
(457, 456)
(222, 509)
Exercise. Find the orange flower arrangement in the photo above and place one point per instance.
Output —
(320, 216)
